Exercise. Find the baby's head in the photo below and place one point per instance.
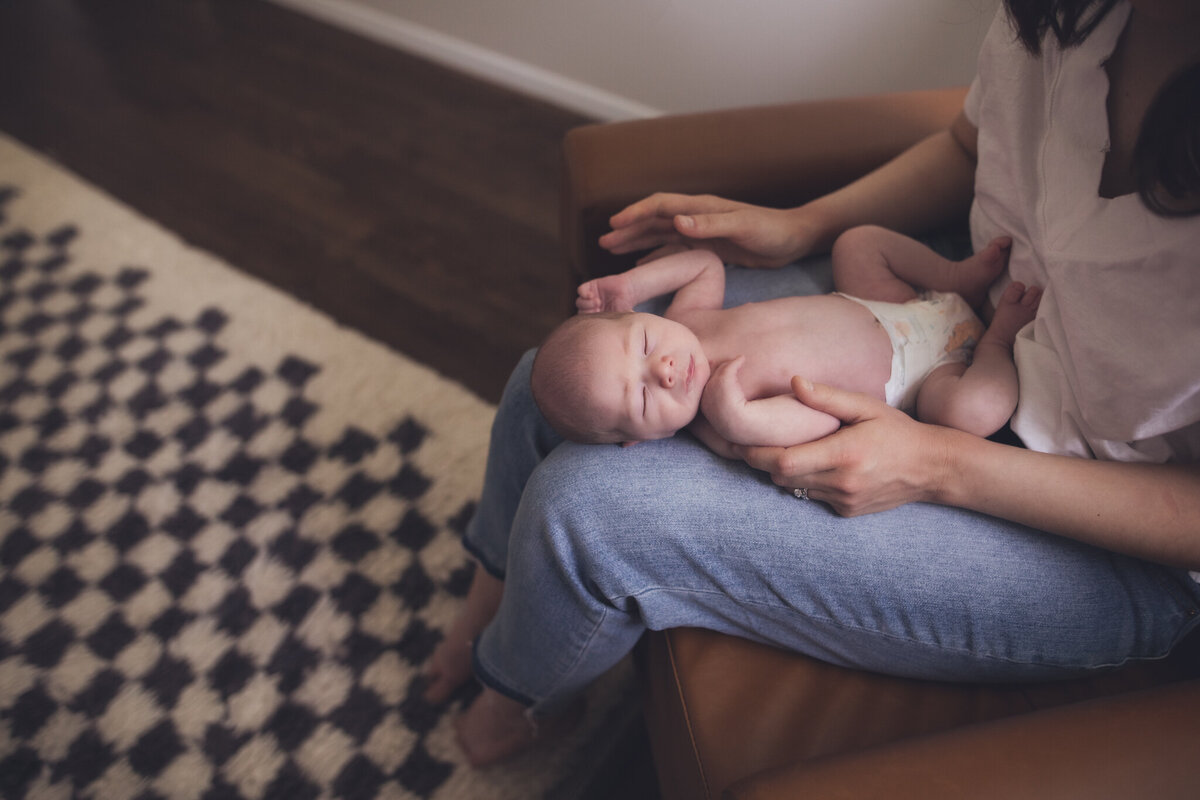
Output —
(631, 377)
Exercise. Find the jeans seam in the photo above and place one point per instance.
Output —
(579, 651)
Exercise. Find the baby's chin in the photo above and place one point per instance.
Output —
(697, 391)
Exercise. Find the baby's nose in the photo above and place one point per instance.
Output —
(665, 371)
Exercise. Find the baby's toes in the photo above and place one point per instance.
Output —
(1032, 298)
(1012, 295)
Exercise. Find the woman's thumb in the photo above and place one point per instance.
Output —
(704, 226)
(846, 406)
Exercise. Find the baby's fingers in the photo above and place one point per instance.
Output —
(729, 369)
(588, 300)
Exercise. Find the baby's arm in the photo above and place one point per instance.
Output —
(779, 421)
(704, 431)
(696, 276)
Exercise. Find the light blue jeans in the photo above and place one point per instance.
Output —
(597, 544)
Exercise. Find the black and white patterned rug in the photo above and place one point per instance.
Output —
(228, 531)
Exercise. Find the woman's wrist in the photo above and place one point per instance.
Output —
(971, 472)
(814, 228)
(948, 474)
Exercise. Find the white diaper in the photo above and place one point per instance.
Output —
(937, 328)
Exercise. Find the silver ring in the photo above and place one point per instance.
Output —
(801, 493)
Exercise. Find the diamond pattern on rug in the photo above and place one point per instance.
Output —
(198, 598)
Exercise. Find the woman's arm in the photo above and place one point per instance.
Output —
(928, 185)
(882, 458)
(1147, 510)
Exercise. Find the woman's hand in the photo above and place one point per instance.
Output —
(739, 233)
(880, 458)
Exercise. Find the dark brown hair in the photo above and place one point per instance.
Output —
(1167, 153)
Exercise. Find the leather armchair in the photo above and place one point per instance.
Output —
(730, 718)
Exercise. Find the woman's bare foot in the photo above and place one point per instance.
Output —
(450, 665)
(973, 275)
(496, 727)
(1017, 307)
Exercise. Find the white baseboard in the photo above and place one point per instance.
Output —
(472, 59)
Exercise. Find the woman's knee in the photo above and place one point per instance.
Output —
(606, 504)
(569, 492)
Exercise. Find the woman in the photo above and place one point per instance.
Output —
(922, 551)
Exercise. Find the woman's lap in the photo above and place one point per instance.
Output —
(606, 542)
(611, 541)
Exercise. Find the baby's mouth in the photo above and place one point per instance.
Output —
(691, 372)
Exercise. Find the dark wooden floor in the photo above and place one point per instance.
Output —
(403, 199)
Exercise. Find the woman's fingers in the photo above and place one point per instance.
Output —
(849, 407)
(643, 236)
(652, 221)
(787, 466)
(666, 205)
(803, 465)
(747, 235)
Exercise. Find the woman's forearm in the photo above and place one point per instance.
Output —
(1145, 510)
(929, 185)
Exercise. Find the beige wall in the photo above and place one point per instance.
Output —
(636, 57)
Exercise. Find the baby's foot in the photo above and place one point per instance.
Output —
(973, 275)
(495, 728)
(1017, 308)
(450, 665)
(610, 293)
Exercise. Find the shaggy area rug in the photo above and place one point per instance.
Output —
(228, 531)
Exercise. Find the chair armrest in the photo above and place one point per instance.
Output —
(774, 155)
(1141, 744)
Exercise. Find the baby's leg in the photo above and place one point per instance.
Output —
(981, 397)
(878, 264)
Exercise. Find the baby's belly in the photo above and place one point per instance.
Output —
(835, 341)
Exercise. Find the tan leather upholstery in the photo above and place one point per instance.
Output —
(727, 715)
(732, 717)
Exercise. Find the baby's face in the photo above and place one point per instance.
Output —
(649, 375)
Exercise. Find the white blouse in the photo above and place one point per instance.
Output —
(1111, 366)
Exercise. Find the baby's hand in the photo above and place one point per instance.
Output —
(724, 399)
(610, 293)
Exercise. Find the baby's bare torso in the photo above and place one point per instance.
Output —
(824, 338)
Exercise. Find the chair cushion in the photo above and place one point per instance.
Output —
(720, 708)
